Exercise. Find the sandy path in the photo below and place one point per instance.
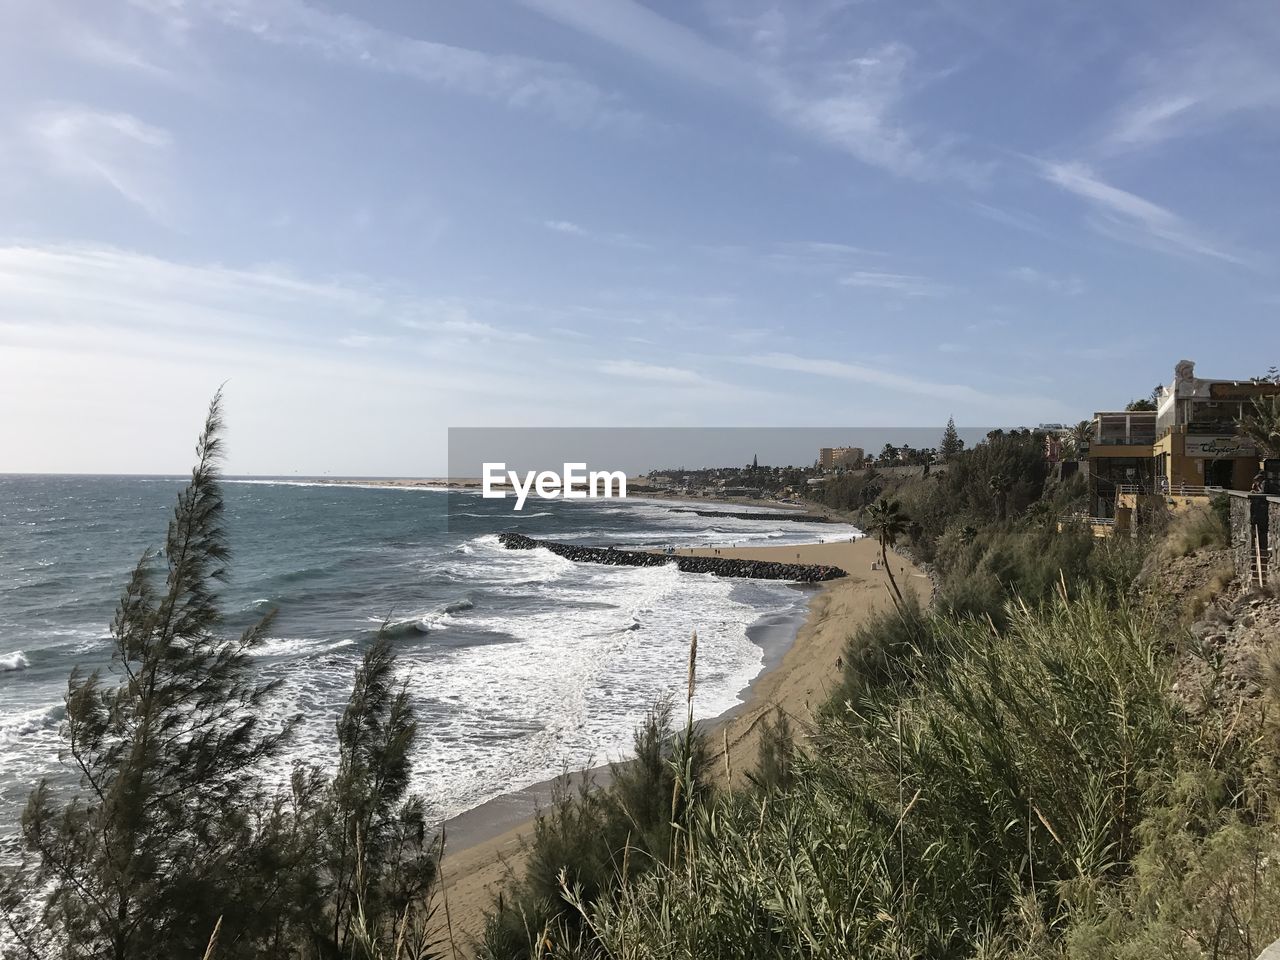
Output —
(799, 684)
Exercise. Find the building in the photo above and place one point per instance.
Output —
(1189, 443)
(1196, 443)
(1120, 457)
(829, 458)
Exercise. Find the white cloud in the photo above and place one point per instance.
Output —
(809, 256)
(46, 291)
(880, 377)
(454, 321)
(115, 150)
(634, 370)
(852, 103)
(907, 284)
(1017, 219)
(564, 226)
(1067, 286)
(103, 50)
(517, 81)
(576, 230)
(345, 373)
(1133, 219)
(1209, 72)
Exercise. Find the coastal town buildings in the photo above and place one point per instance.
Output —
(829, 458)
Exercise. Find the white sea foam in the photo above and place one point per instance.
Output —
(519, 661)
(24, 723)
(13, 662)
(569, 685)
(286, 646)
(440, 488)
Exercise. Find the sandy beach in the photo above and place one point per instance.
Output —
(485, 843)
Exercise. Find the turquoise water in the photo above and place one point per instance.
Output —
(519, 662)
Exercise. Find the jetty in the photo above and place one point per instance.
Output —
(793, 515)
(719, 566)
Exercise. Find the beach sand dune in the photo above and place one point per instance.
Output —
(486, 843)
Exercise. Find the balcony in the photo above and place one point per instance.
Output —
(1133, 440)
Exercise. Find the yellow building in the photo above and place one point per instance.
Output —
(1181, 450)
(1196, 443)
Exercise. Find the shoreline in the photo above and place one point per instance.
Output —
(775, 634)
(801, 650)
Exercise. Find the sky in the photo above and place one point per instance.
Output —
(377, 220)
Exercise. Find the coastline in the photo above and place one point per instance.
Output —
(801, 651)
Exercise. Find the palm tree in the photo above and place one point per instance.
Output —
(1262, 425)
(1080, 436)
(886, 519)
(1000, 485)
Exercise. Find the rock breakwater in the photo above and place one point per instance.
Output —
(794, 515)
(719, 566)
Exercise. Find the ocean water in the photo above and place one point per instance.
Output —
(520, 663)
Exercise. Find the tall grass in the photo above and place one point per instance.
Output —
(592, 840)
(1005, 796)
(1195, 529)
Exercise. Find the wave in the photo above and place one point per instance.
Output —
(340, 486)
(514, 515)
(425, 623)
(406, 628)
(20, 725)
(14, 662)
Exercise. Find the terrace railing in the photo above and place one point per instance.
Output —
(1084, 518)
(1185, 489)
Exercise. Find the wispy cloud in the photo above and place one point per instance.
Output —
(909, 285)
(139, 297)
(1069, 286)
(577, 230)
(115, 150)
(564, 226)
(98, 48)
(1212, 70)
(635, 370)
(1133, 219)
(517, 81)
(850, 102)
(875, 376)
(1018, 219)
(817, 256)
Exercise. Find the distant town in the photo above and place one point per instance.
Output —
(791, 484)
(1183, 442)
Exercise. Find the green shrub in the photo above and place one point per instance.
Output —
(1012, 770)
(596, 839)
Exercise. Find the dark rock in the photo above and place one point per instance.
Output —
(744, 515)
(718, 566)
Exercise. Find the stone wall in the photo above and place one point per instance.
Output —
(1250, 513)
(1273, 538)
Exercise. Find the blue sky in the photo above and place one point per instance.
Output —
(376, 220)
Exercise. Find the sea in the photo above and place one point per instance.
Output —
(520, 664)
